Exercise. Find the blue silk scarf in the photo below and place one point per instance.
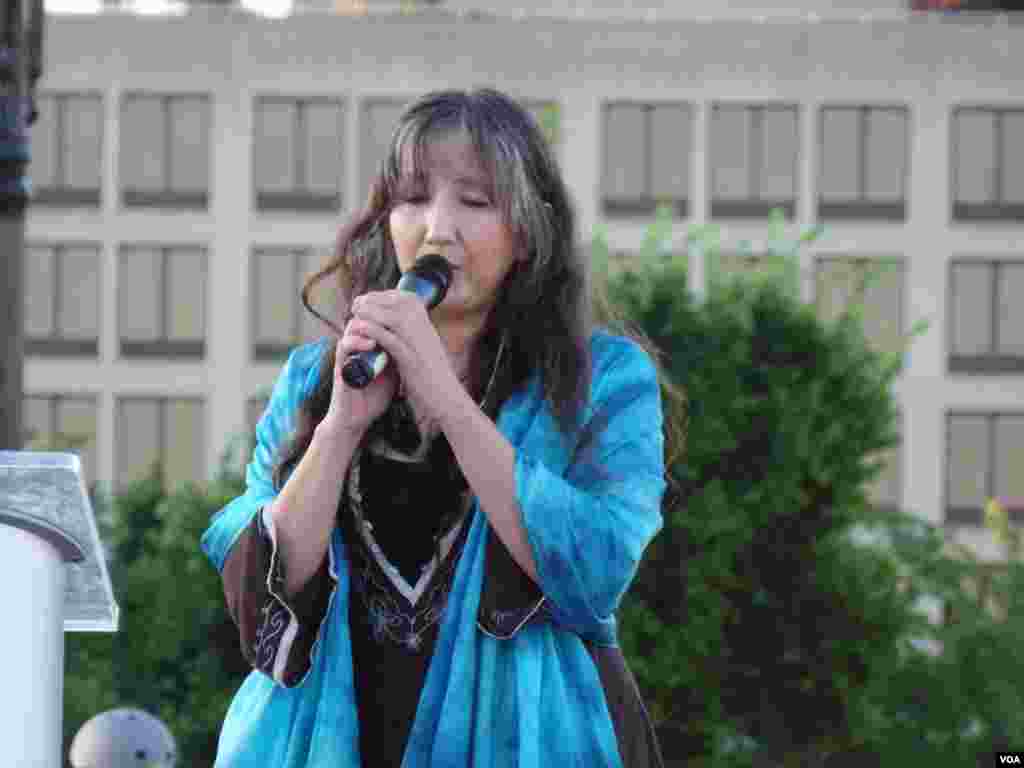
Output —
(533, 700)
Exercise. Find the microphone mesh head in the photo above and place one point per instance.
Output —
(433, 266)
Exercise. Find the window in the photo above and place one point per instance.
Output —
(987, 164)
(886, 490)
(838, 283)
(254, 408)
(620, 261)
(735, 264)
(55, 422)
(279, 320)
(983, 458)
(160, 432)
(863, 163)
(986, 316)
(548, 115)
(297, 150)
(165, 150)
(162, 301)
(67, 144)
(378, 120)
(62, 299)
(646, 161)
(753, 151)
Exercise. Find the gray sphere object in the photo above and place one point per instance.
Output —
(123, 738)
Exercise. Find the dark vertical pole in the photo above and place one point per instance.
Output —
(20, 65)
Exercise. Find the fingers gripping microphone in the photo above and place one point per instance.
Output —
(429, 279)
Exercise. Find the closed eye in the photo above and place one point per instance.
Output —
(422, 199)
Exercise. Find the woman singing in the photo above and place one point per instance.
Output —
(425, 572)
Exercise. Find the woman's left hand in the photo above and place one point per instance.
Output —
(399, 323)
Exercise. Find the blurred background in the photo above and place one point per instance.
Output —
(191, 164)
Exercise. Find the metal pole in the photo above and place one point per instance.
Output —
(21, 35)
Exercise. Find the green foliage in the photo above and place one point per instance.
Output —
(176, 652)
(760, 627)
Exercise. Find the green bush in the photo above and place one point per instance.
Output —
(948, 708)
(781, 620)
(765, 627)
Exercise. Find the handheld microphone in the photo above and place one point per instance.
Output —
(429, 279)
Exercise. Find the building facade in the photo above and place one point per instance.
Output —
(190, 171)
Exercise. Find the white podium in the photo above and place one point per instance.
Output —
(53, 572)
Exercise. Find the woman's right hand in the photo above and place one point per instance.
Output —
(351, 410)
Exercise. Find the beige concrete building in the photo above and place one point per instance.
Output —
(189, 170)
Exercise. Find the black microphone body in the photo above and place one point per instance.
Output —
(429, 279)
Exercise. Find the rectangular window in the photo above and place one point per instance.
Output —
(734, 264)
(987, 164)
(839, 281)
(378, 119)
(862, 163)
(646, 158)
(165, 150)
(886, 491)
(66, 423)
(162, 301)
(297, 151)
(753, 159)
(67, 147)
(62, 299)
(983, 462)
(548, 115)
(986, 316)
(254, 409)
(162, 434)
(279, 319)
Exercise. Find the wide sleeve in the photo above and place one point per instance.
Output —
(589, 527)
(276, 634)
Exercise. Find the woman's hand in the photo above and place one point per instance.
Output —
(399, 323)
(351, 410)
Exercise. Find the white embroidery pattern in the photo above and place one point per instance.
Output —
(388, 617)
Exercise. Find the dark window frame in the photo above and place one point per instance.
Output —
(56, 345)
(752, 208)
(646, 204)
(999, 210)
(970, 516)
(60, 194)
(300, 199)
(166, 197)
(163, 347)
(989, 364)
(862, 207)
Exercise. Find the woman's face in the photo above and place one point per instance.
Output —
(454, 214)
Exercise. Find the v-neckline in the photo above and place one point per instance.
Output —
(412, 593)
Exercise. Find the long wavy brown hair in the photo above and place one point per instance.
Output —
(548, 305)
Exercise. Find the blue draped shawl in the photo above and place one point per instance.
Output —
(533, 700)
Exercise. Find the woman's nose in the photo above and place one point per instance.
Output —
(441, 220)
